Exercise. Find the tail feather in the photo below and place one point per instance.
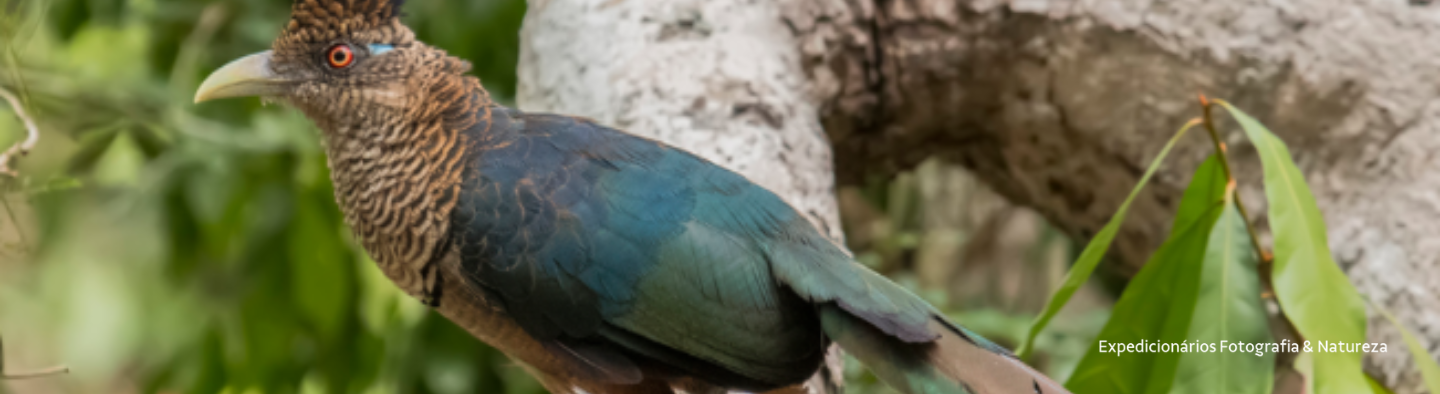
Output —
(899, 336)
(957, 362)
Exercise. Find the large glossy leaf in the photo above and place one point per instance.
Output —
(1315, 295)
(1094, 251)
(1228, 311)
(1159, 302)
(1429, 370)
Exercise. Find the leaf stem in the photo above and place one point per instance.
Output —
(1221, 150)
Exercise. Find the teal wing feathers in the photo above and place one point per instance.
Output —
(585, 233)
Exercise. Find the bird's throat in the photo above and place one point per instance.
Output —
(396, 184)
(395, 152)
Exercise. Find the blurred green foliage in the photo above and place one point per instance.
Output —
(899, 225)
(154, 245)
(182, 248)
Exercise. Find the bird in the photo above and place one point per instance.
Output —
(601, 261)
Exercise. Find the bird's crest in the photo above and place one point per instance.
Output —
(322, 13)
(326, 20)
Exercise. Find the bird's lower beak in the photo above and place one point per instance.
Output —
(245, 77)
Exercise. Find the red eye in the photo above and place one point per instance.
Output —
(340, 56)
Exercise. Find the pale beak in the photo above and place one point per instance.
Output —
(245, 77)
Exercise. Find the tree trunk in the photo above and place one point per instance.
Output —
(1060, 104)
(1056, 104)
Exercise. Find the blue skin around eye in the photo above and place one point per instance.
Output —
(376, 49)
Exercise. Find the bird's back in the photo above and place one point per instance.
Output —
(634, 251)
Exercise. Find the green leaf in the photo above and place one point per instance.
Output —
(1159, 302)
(93, 145)
(1429, 370)
(1378, 388)
(1305, 365)
(123, 47)
(319, 267)
(1094, 251)
(121, 163)
(1203, 198)
(1228, 311)
(1315, 295)
(54, 184)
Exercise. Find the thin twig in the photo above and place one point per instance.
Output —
(1266, 258)
(1221, 151)
(23, 148)
(56, 370)
(32, 134)
(19, 231)
(31, 374)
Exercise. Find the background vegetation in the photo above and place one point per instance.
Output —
(153, 245)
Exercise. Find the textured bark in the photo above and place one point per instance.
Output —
(1059, 104)
(720, 78)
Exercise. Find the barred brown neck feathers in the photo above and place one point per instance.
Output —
(391, 115)
(396, 174)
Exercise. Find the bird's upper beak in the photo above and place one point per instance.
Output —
(244, 77)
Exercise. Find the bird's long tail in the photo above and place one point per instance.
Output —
(958, 362)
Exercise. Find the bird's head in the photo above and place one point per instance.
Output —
(346, 64)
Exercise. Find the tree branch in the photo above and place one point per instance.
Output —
(56, 370)
(32, 134)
